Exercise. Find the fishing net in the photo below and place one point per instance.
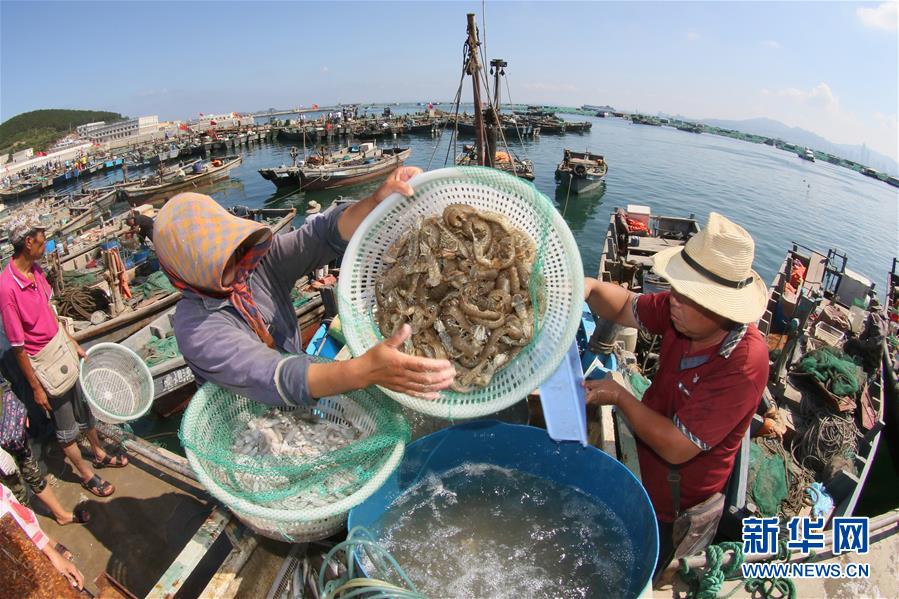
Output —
(555, 285)
(156, 284)
(157, 350)
(83, 277)
(767, 480)
(834, 369)
(293, 497)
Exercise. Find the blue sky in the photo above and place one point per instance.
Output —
(827, 67)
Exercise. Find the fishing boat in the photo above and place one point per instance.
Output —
(891, 365)
(350, 165)
(806, 154)
(504, 161)
(581, 172)
(25, 188)
(157, 189)
(816, 304)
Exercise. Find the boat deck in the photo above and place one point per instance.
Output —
(136, 534)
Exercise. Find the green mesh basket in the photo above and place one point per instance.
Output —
(289, 497)
(556, 286)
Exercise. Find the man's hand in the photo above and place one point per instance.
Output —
(41, 399)
(397, 181)
(387, 366)
(604, 392)
(65, 567)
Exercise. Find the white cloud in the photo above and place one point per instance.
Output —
(821, 96)
(325, 69)
(819, 109)
(884, 16)
(692, 36)
(771, 44)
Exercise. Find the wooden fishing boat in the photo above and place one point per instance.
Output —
(504, 161)
(348, 166)
(25, 189)
(157, 190)
(581, 172)
(84, 211)
(816, 302)
(891, 365)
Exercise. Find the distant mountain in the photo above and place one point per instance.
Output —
(39, 129)
(796, 135)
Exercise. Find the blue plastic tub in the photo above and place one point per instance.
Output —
(529, 450)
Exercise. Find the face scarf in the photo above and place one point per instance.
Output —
(195, 238)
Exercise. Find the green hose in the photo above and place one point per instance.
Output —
(353, 584)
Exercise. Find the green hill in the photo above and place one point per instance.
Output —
(38, 129)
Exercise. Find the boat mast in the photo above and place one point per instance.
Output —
(473, 70)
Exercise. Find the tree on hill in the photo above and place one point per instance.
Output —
(39, 129)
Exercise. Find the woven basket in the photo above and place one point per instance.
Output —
(291, 518)
(558, 271)
(116, 383)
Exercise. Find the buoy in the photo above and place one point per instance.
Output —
(314, 207)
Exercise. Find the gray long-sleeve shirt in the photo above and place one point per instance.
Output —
(219, 345)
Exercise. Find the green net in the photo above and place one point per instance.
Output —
(834, 369)
(217, 419)
(298, 298)
(83, 277)
(639, 384)
(767, 480)
(554, 285)
(157, 350)
(156, 284)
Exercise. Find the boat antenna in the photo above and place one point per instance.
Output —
(473, 70)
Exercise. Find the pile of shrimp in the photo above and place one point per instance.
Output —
(460, 280)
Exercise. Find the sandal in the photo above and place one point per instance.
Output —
(80, 515)
(64, 551)
(98, 486)
(111, 461)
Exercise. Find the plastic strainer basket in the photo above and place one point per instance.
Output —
(558, 271)
(216, 415)
(116, 383)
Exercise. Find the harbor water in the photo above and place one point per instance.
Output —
(775, 195)
(497, 532)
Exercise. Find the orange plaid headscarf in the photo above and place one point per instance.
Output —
(195, 238)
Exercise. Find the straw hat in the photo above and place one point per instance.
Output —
(714, 269)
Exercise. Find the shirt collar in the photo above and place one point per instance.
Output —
(20, 278)
(732, 340)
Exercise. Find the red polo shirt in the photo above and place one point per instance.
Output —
(28, 319)
(710, 396)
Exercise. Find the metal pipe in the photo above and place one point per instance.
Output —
(147, 450)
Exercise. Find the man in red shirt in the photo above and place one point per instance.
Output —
(713, 368)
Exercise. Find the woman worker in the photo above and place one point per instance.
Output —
(235, 323)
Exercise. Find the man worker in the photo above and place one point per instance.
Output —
(31, 325)
(141, 226)
(713, 368)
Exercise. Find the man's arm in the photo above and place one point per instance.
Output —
(610, 302)
(24, 362)
(654, 429)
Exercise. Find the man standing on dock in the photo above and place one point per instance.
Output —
(713, 368)
(31, 326)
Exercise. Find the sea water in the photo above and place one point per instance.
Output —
(479, 530)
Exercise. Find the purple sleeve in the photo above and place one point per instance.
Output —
(218, 349)
(313, 245)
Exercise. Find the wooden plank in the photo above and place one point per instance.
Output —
(226, 580)
(173, 578)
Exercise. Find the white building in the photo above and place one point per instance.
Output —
(101, 132)
(232, 120)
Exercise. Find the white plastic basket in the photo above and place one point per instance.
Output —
(290, 519)
(116, 383)
(526, 208)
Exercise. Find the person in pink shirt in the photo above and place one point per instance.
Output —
(31, 324)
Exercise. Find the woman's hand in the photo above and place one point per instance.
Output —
(603, 392)
(387, 366)
(397, 181)
(65, 567)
